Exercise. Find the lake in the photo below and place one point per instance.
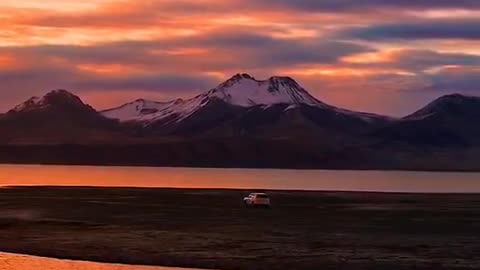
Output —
(23, 262)
(383, 181)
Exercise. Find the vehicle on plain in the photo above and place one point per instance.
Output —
(257, 200)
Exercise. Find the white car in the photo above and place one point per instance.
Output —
(257, 200)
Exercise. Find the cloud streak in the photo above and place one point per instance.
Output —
(342, 51)
(367, 5)
(431, 29)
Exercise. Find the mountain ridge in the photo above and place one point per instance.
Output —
(35, 100)
(241, 90)
(54, 97)
(275, 124)
(57, 117)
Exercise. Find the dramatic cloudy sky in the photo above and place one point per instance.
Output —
(384, 56)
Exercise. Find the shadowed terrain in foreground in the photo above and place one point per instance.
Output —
(212, 229)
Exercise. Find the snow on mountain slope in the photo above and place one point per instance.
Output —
(149, 111)
(244, 90)
(32, 102)
(55, 97)
(241, 90)
(137, 109)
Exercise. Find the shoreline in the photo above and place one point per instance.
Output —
(12, 261)
(372, 169)
(245, 190)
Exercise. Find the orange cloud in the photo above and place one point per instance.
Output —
(62, 43)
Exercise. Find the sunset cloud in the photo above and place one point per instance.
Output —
(430, 29)
(366, 5)
(354, 53)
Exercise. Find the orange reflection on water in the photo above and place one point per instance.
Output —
(22, 262)
(384, 181)
(107, 176)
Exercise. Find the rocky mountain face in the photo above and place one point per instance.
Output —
(243, 122)
(241, 90)
(243, 105)
(56, 118)
(449, 121)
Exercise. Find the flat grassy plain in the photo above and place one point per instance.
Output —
(212, 229)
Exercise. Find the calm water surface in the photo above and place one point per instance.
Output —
(22, 262)
(396, 181)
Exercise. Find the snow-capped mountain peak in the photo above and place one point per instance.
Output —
(54, 97)
(244, 90)
(241, 90)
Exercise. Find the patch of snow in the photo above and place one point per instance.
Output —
(33, 102)
(135, 110)
(419, 117)
(367, 117)
(36, 103)
(150, 111)
(293, 106)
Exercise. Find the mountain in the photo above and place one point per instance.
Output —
(241, 90)
(454, 106)
(54, 100)
(57, 117)
(244, 105)
(449, 121)
(243, 122)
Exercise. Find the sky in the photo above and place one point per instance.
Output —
(389, 57)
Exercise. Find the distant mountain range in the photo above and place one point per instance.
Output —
(243, 122)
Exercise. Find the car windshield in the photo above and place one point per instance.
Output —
(262, 196)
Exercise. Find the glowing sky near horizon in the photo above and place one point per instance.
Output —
(380, 56)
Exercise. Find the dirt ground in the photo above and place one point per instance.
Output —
(212, 228)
